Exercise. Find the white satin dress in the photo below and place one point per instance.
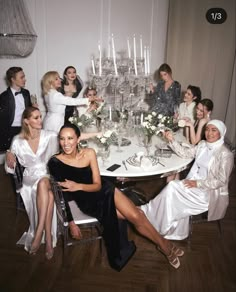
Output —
(35, 168)
(169, 211)
(56, 103)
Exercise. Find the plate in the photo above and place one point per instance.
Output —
(137, 162)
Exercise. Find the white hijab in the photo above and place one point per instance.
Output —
(222, 129)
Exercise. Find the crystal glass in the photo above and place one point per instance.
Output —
(104, 152)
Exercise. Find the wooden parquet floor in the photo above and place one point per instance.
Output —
(208, 265)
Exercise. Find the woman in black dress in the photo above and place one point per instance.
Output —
(78, 174)
(71, 85)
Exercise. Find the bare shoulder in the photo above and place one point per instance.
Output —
(88, 152)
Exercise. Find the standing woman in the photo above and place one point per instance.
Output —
(71, 85)
(33, 147)
(78, 174)
(166, 95)
(56, 102)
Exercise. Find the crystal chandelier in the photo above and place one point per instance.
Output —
(17, 36)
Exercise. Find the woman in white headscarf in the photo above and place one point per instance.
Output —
(205, 187)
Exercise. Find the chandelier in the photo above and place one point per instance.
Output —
(17, 36)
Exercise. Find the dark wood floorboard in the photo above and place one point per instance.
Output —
(208, 265)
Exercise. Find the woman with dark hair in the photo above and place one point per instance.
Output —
(204, 188)
(166, 95)
(33, 147)
(192, 97)
(197, 129)
(71, 85)
(77, 173)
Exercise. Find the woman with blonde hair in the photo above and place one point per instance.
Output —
(33, 147)
(56, 102)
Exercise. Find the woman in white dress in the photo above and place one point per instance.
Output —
(33, 147)
(205, 187)
(56, 102)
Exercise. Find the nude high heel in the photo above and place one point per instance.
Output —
(172, 258)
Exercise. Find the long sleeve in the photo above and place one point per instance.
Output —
(59, 98)
(220, 168)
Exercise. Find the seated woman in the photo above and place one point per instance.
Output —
(196, 131)
(33, 147)
(71, 85)
(78, 174)
(192, 97)
(205, 187)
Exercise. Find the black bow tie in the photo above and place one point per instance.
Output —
(18, 92)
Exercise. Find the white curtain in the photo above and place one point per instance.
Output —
(203, 54)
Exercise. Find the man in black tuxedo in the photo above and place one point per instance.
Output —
(13, 101)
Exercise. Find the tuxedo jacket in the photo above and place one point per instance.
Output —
(7, 114)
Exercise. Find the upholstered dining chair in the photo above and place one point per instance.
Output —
(86, 223)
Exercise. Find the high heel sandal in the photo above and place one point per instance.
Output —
(33, 250)
(177, 251)
(49, 254)
(172, 258)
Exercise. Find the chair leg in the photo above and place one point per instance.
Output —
(190, 230)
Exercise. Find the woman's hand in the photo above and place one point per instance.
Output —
(168, 135)
(70, 186)
(10, 159)
(188, 183)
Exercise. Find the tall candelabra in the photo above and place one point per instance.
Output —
(124, 81)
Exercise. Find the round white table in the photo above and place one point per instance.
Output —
(168, 166)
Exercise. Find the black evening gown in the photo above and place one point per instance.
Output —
(100, 205)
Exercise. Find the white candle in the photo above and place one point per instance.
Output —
(145, 60)
(109, 49)
(141, 119)
(135, 67)
(148, 62)
(110, 113)
(100, 60)
(129, 52)
(93, 67)
(114, 54)
(141, 47)
(134, 48)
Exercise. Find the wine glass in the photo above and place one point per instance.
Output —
(120, 132)
(104, 153)
(34, 99)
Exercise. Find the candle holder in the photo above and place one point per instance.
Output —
(128, 87)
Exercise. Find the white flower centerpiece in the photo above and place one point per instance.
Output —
(104, 141)
(82, 121)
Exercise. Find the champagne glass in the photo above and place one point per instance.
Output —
(34, 99)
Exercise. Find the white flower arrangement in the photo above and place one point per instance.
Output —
(81, 121)
(107, 138)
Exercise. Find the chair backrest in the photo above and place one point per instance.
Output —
(81, 219)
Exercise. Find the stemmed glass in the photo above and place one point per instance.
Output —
(120, 132)
(104, 153)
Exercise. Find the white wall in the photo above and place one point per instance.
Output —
(69, 31)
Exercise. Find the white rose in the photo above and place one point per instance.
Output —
(103, 140)
(107, 133)
(154, 114)
(70, 119)
(79, 124)
(144, 124)
(153, 128)
(160, 116)
(149, 117)
(181, 123)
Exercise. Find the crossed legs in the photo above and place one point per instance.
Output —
(45, 203)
